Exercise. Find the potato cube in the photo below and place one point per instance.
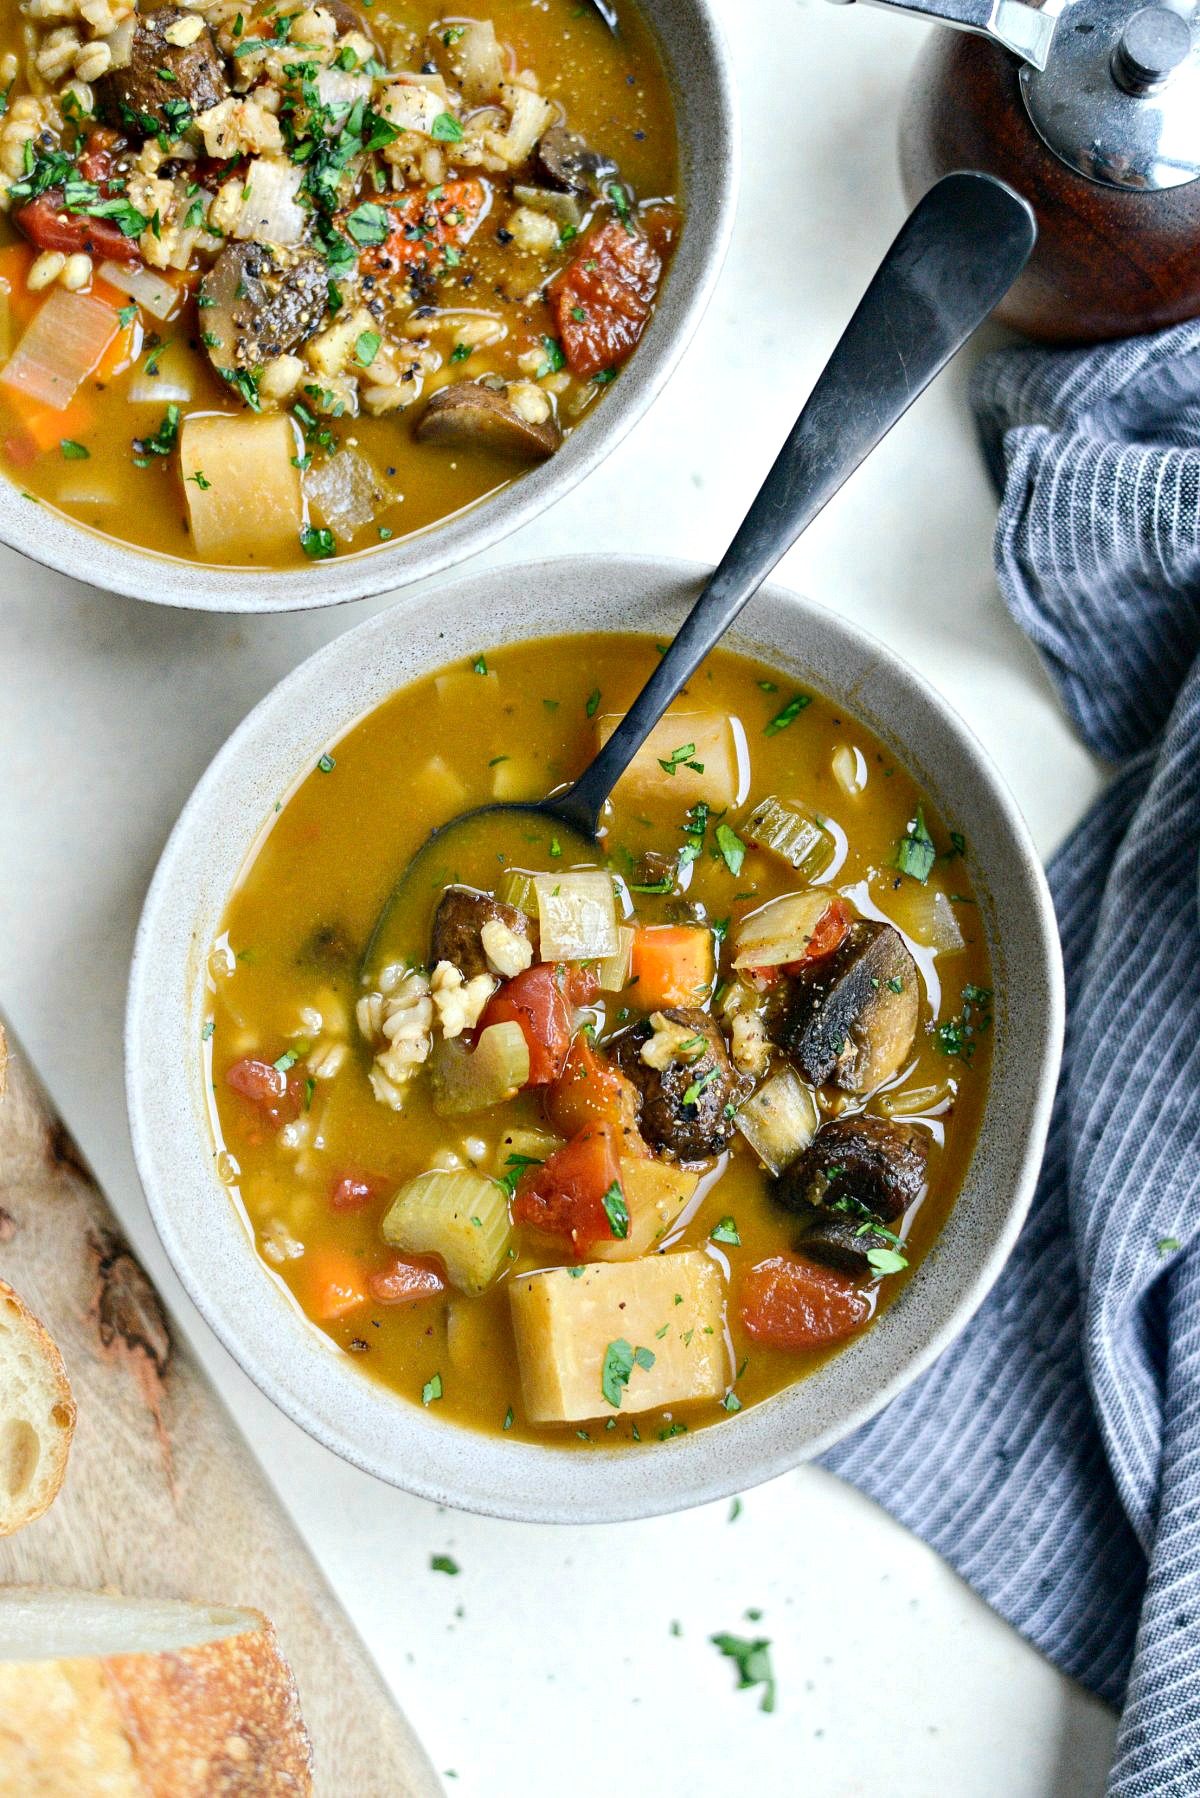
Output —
(709, 770)
(242, 487)
(565, 1321)
(656, 1193)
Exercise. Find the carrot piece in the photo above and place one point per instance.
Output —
(672, 964)
(41, 428)
(590, 1090)
(789, 1303)
(336, 1282)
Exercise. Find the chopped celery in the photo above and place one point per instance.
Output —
(460, 1216)
(779, 1120)
(467, 1080)
(787, 830)
(578, 915)
(614, 969)
(780, 931)
(518, 889)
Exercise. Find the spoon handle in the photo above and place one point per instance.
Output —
(956, 256)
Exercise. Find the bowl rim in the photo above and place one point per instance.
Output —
(390, 1437)
(709, 147)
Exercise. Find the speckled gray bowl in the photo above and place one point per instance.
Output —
(705, 98)
(207, 1238)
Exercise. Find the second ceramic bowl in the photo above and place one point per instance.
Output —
(705, 99)
(206, 1236)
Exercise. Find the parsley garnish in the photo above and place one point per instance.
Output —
(788, 715)
(753, 1662)
(72, 451)
(616, 1210)
(915, 854)
(443, 1564)
(431, 1390)
(619, 1362)
(317, 542)
(732, 848)
(725, 1231)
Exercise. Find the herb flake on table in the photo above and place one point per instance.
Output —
(444, 1564)
(752, 1658)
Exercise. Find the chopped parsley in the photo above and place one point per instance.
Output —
(317, 542)
(593, 702)
(680, 757)
(619, 1362)
(616, 1210)
(326, 765)
(201, 479)
(554, 358)
(444, 1564)
(431, 1390)
(789, 714)
(367, 348)
(446, 129)
(915, 853)
(732, 848)
(725, 1231)
(957, 1037)
(369, 224)
(72, 451)
(479, 665)
(514, 1167)
(753, 1661)
(886, 1261)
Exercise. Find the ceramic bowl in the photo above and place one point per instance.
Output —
(207, 1237)
(702, 87)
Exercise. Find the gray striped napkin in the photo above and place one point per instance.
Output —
(1053, 1453)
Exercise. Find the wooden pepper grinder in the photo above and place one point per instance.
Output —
(1091, 110)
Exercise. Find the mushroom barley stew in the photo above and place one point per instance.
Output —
(605, 1151)
(281, 281)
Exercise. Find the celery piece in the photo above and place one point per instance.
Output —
(518, 889)
(466, 1080)
(788, 831)
(460, 1216)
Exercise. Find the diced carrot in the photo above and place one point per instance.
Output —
(590, 1090)
(423, 223)
(124, 347)
(41, 428)
(672, 964)
(789, 1303)
(407, 1280)
(336, 1282)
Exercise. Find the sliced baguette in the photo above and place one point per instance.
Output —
(143, 1698)
(37, 1415)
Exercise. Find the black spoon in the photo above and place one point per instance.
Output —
(954, 259)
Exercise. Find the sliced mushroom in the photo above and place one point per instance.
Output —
(563, 208)
(258, 301)
(470, 414)
(567, 161)
(842, 1242)
(687, 1106)
(458, 925)
(860, 1168)
(851, 1017)
(163, 86)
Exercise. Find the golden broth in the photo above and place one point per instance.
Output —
(298, 922)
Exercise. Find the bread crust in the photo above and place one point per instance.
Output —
(52, 1422)
(220, 1719)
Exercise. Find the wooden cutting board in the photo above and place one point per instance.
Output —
(162, 1496)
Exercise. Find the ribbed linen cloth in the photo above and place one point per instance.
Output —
(1052, 1455)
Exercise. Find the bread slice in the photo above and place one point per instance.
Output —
(37, 1415)
(144, 1698)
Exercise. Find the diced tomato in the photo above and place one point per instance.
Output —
(672, 964)
(335, 1280)
(424, 227)
(538, 1001)
(789, 1303)
(829, 933)
(99, 154)
(565, 1196)
(406, 1280)
(580, 983)
(46, 224)
(277, 1096)
(353, 1191)
(590, 1090)
(602, 299)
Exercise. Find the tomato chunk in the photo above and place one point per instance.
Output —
(354, 1191)
(829, 933)
(406, 1280)
(275, 1095)
(46, 224)
(590, 1090)
(602, 299)
(537, 1001)
(423, 224)
(790, 1303)
(565, 1196)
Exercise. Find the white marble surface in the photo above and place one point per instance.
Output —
(561, 1669)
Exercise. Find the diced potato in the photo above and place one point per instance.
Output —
(462, 691)
(494, 1071)
(656, 1193)
(438, 785)
(460, 1216)
(529, 1145)
(577, 914)
(242, 487)
(564, 1323)
(518, 777)
(714, 778)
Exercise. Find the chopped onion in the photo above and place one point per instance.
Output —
(344, 490)
(850, 769)
(481, 62)
(338, 89)
(120, 43)
(614, 969)
(926, 915)
(86, 493)
(780, 931)
(269, 211)
(578, 916)
(154, 295)
(779, 1120)
(563, 208)
(62, 346)
(910, 1101)
(172, 380)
